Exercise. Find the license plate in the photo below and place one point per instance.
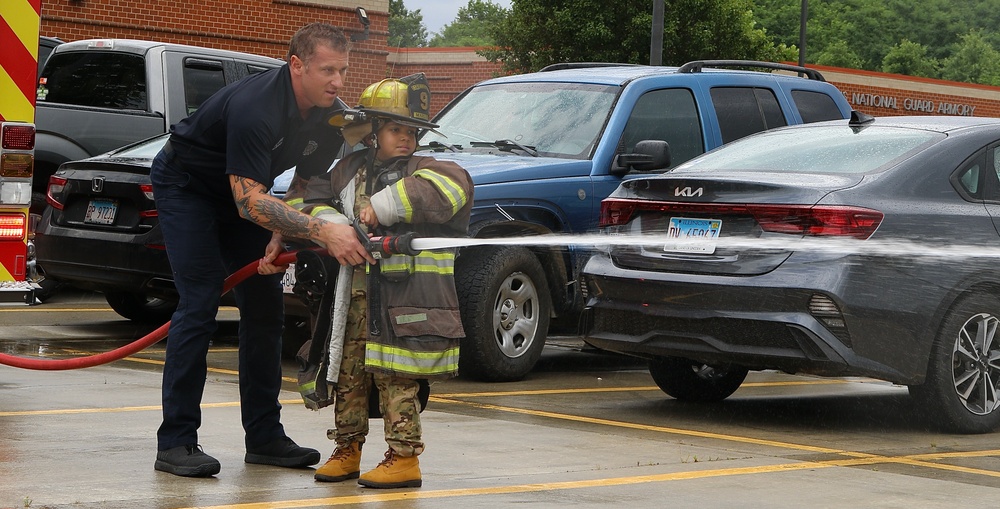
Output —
(101, 212)
(288, 280)
(688, 235)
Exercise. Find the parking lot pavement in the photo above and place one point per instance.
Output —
(86, 439)
(584, 429)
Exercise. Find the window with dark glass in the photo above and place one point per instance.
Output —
(743, 111)
(202, 78)
(98, 79)
(670, 115)
(815, 106)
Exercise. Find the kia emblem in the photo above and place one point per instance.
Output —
(97, 185)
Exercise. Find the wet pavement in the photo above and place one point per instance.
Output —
(584, 429)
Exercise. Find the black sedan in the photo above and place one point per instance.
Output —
(99, 232)
(861, 248)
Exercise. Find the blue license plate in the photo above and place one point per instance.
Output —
(101, 212)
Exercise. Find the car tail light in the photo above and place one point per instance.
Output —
(54, 192)
(13, 226)
(815, 220)
(147, 191)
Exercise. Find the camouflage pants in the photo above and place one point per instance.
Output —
(399, 404)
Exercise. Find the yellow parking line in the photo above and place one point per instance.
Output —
(520, 488)
(38, 309)
(111, 410)
(620, 389)
(567, 485)
(858, 458)
(647, 427)
(48, 310)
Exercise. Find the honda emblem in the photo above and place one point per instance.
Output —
(97, 185)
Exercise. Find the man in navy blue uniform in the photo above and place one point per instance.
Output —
(211, 183)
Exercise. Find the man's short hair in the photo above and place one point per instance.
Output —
(305, 40)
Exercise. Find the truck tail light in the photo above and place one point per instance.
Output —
(17, 165)
(17, 145)
(13, 227)
(53, 195)
(16, 136)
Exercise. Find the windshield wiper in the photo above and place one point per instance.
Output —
(507, 145)
(438, 146)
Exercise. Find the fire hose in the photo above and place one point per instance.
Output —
(380, 247)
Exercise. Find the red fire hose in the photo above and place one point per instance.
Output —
(139, 344)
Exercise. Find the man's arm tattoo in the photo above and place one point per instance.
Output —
(256, 205)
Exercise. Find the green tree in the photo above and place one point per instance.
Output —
(470, 25)
(863, 33)
(973, 60)
(911, 59)
(839, 54)
(541, 32)
(406, 28)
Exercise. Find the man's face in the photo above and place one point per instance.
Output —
(396, 140)
(321, 78)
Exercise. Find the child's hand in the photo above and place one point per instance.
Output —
(368, 217)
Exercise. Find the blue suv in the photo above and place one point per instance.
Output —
(545, 148)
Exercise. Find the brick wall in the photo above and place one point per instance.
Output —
(449, 70)
(262, 27)
(885, 94)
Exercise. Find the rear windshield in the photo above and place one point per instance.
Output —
(146, 149)
(96, 79)
(827, 149)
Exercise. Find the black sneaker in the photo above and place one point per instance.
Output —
(282, 452)
(187, 461)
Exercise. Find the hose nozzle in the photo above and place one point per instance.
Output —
(384, 246)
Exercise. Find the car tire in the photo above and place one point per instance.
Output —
(140, 307)
(695, 381)
(505, 311)
(959, 393)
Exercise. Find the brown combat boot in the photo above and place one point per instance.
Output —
(394, 472)
(344, 463)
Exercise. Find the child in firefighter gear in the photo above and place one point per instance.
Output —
(401, 322)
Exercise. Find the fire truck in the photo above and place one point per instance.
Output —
(19, 30)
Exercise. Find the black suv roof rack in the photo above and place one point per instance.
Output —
(698, 65)
(583, 65)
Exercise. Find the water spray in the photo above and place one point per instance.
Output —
(383, 246)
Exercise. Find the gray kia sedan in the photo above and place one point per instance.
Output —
(866, 247)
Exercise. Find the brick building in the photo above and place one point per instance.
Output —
(265, 26)
(878, 93)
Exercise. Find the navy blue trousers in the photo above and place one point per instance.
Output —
(206, 240)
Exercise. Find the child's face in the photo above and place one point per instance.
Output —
(396, 140)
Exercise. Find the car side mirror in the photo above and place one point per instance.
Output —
(648, 155)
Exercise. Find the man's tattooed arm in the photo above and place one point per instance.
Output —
(269, 212)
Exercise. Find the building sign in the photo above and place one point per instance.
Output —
(911, 105)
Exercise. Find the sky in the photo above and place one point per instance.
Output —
(438, 13)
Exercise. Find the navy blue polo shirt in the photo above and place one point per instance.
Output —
(253, 128)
